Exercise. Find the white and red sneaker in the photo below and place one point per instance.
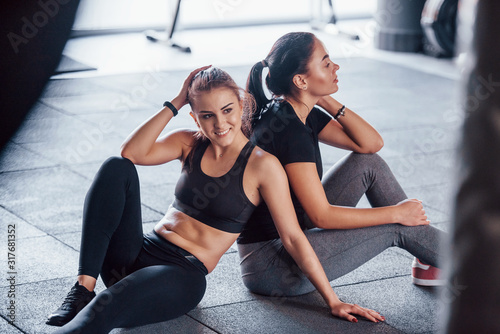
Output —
(425, 275)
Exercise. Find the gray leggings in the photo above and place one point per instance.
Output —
(268, 269)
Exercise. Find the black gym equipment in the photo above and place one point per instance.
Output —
(439, 24)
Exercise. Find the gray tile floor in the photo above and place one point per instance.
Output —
(79, 121)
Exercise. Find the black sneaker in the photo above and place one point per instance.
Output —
(75, 301)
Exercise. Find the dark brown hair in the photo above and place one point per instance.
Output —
(289, 56)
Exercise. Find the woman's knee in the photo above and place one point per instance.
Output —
(371, 162)
(117, 163)
(370, 159)
(118, 166)
(278, 283)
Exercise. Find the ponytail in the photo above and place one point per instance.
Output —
(289, 56)
(255, 88)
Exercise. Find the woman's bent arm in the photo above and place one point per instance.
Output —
(275, 191)
(305, 182)
(142, 145)
(350, 132)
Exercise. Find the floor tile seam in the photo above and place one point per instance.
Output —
(42, 100)
(79, 117)
(97, 125)
(203, 324)
(73, 114)
(52, 79)
(24, 220)
(28, 169)
(152, 209)
(21, 145)
(254, 299)
(35, 236)
(56, 166)
(149, 221)
(47, 234)
(12, 324)
(42, 281)
(371, 281)
(64, 243)
(69, 169)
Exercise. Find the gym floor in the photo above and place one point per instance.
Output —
(412, 99)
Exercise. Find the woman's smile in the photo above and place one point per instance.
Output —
(222, 133)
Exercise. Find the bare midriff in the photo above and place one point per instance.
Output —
(205, 242)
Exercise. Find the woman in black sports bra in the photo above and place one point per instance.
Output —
(160, 275)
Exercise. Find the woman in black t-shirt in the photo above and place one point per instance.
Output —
(302, 76)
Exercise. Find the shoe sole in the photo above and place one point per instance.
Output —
(428, 282)
(58, 323)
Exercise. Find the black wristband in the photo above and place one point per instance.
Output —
(171, 107)
(341, 112)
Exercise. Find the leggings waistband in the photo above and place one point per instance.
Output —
(168, 246)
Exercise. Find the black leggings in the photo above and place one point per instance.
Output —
(149, 279)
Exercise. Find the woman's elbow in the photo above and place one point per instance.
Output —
(374, 147)
(378, 145)
(125, 153)
(319, 221)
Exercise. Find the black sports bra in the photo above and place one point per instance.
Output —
(219, 202)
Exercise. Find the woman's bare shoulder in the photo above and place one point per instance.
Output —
(264, 164)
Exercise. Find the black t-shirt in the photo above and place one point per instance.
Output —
(280, 132)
